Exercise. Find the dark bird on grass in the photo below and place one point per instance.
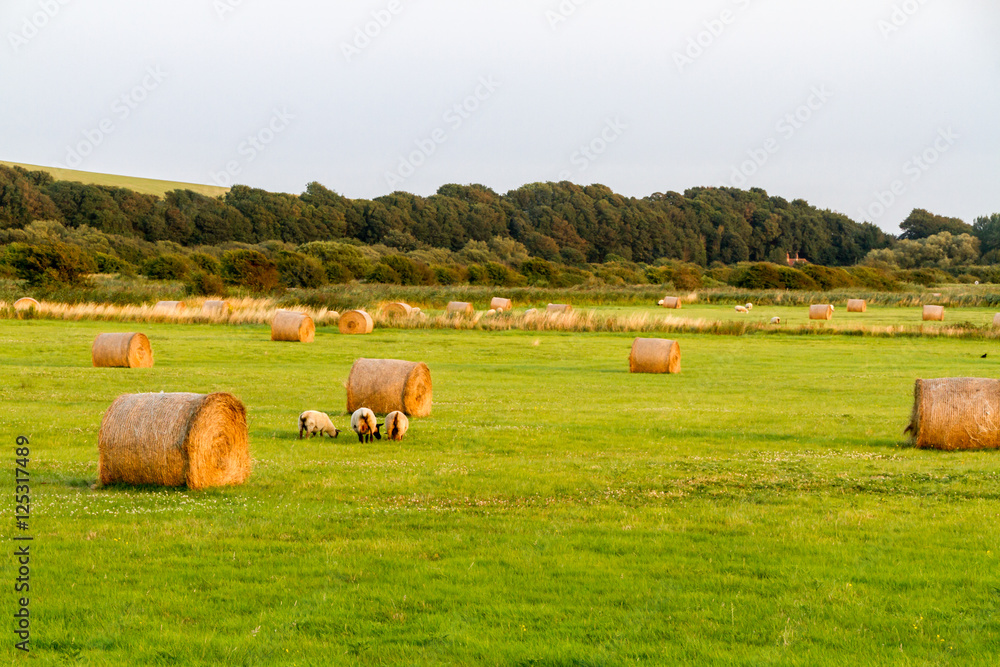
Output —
(984, 355)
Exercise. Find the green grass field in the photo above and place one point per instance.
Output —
(759, 508)
(146, 186)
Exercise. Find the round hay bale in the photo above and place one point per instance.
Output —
(460, 307)
(356, 322)
(169, 305)
(558, 308)
(121, 350)
(387, 385)
(654, 355)
(934, 313)
(671, 302)
(397, 309)
(821, 312)
(956, 413)
(500, 303)
(996, 320)
(857, 306)
(195, 440)
(291, 326)
(215, 308)
(25, 303)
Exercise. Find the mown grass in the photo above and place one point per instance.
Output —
(759, 508)
(146, 186)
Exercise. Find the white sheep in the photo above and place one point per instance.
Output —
(313, 422)
(749, 306)
(396, 425)
(491, 312)
(775, 320)
(742, 309)
(365, 425)
(660, 302)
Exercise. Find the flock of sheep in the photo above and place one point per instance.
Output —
(363, 422)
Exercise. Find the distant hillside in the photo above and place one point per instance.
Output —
(145, 186)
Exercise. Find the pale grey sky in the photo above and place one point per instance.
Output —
(867, 107)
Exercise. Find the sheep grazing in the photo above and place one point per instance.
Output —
(491, 312)
(775, 320)
(749, 306)
(313, 422)
(365, 425)
(396, 425)
(742, 309)
(660, 302)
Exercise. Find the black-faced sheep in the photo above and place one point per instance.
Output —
(313, 422)
(365, 425)
(396, 425)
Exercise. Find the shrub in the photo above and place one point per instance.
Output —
(250, 269)
(166, 267)
(202, 283)
(206, 263)
(383, 273)
(112, 264)
(404, 267)
(538, 272)
(925, 277)
(343, 261)
(874, 278)
(447, 275)
(298, 270)
(827, 277)
(771, 276)
(49, 264)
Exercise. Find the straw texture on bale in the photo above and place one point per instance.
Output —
(857, 306)
(398, 308)
(195, 440)
(654, 355)
(169, 305)
(821, 312)
(386, 385)
(121, 350)
(214, 308)
(290, 326)
(956, 413)
(558, 308)
(500, 303)
(934, 313)
(461, 307)
(356, 322)
(996, 320)
(25, 303)
(671, 302)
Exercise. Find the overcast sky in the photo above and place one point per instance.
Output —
(867, 107)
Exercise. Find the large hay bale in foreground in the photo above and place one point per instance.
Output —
(821, 312)
(169, 305)
(672, 302)
(291, 326)
(459, 307)
(499, 303)
(397, 309)
(25, 303)
(655, 355)
(386, 385)
(356, 322)
(195, 440)
(934, 313)
(857, 306)
(215, 308)
(121, 350)
(956, 413)
(558, 308)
